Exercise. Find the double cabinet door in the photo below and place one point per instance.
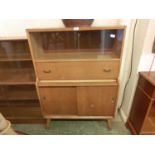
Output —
(78, 100)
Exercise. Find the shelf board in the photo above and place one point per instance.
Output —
(16, 95)
(17, 76)
(22, 112)
(16, 57)
(74, 56)
(19, 103)
(13, 38)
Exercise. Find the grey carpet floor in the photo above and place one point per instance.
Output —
(76, 127)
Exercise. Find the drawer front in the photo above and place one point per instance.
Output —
(77, 70)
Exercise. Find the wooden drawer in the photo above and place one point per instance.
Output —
(78, 70)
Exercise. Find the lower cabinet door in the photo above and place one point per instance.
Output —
(58, 100)
(97, 100)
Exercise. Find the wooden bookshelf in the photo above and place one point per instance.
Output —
(19, 100)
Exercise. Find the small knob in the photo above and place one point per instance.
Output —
(44, 98)
(106, 70)
(92, 105)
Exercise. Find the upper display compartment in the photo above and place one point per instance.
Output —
(14, 50)
(76, 43)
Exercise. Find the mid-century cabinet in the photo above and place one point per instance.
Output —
(142, 115)
(77, 71)
(18, 96)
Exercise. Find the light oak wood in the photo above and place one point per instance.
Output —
(109, 122)
(76, 55)
(58, 100)
(97, 100)
(49, 83)
(72, 29)
(78, 70)
(77, 78)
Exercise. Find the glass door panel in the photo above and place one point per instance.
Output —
(14, 50)
(94, 44)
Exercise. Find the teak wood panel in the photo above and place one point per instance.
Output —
(97, 100)
(139, 109)
(147, 87)
(78, 70)
(58, 100)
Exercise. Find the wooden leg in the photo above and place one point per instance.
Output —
(48, 123)
(109, 123)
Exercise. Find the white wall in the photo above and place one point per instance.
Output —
(16, 28)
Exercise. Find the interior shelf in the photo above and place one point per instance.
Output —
(19, 103)
(16, 73)
(78, 55)
(19, 112)
(17, 76)
(22, 92)
(16, 57)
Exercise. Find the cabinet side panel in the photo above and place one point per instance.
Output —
(139, 109)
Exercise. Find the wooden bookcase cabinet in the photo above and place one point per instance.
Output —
(142, 115)
(18, 97)
(77, 71)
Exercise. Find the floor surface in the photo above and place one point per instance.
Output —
(76, 127)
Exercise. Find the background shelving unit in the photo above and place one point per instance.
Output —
(142, 115)
(18, 100)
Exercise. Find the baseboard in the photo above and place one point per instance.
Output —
(123, 116)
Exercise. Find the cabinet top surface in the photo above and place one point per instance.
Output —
(12, 38)
(75, 28)
(150, 77)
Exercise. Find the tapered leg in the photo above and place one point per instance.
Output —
(109, 123)
(48, 123)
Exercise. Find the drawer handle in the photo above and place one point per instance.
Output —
(47, 71)
(107, 70)
(44, 98)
